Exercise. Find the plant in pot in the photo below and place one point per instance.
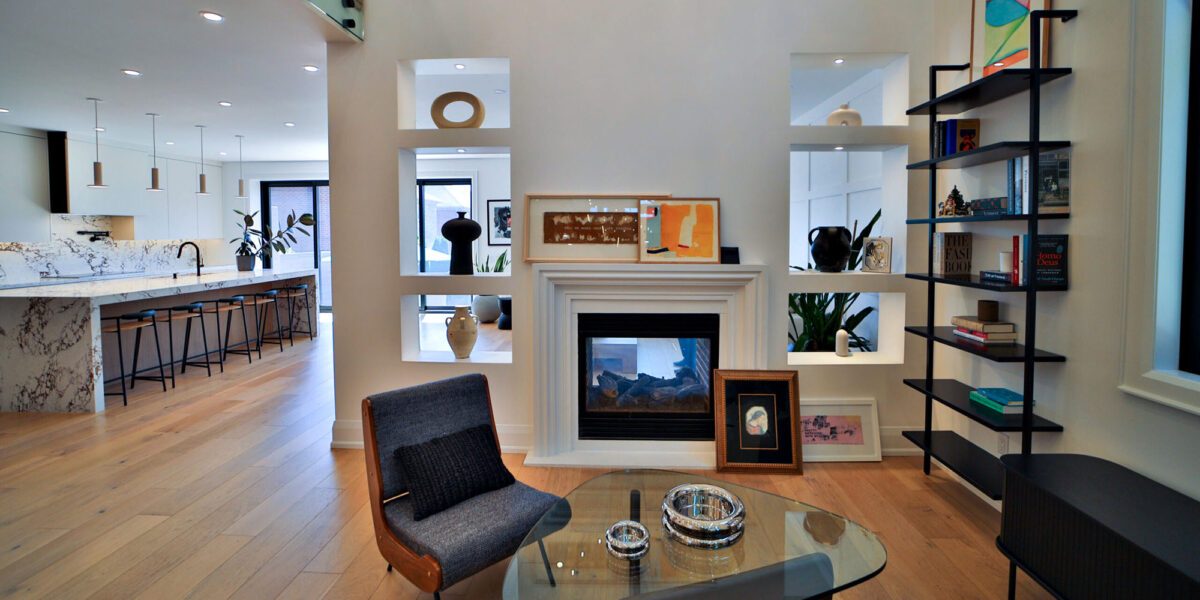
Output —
(487, 307)
(255, 243)
(815, 318)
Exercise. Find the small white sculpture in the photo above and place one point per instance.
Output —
(842, 343)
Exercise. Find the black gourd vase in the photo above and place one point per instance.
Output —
(461, 232)
(831, 248)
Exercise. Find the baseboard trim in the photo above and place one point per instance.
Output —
(347, 435)
(894, 444)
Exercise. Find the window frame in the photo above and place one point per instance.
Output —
(1189, 318)
(423, 305)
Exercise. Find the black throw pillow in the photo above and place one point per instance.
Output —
(451, 469)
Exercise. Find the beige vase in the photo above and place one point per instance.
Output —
(462, 330)
(844, 115)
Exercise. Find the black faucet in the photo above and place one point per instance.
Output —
(199, 261)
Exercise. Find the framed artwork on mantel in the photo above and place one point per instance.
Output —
(757, 421)
(680, 230)
(1000, 35)
(582, 228)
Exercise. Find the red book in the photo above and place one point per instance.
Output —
(983, 335)
(1016, 260)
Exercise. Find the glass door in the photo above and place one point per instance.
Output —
(438, 201)
(279, 199)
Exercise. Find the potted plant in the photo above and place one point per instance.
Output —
(487, 307)
(254, 243)
(815, 318)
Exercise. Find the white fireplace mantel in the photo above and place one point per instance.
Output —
(561, 291)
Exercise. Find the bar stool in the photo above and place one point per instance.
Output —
(227, 306)
(262, 301)
(135, 321)
(291, 293)
(188, 313)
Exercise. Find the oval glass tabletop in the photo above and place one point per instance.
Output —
(788, 549)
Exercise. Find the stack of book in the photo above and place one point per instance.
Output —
(1054, 192)
(956, 135)
(998, 400)
(984, 332)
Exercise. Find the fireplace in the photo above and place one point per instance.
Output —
(647, 376)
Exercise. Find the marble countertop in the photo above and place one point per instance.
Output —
(124, 289)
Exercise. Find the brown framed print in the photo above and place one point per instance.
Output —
(757, 421)
(582, 228)
(680, 230)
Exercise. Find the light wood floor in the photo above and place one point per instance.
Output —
(226, 488)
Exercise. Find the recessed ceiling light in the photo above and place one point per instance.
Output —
(839, 147)
(460, 66)
(212, 16)
(499, 91)
(221, 153)
(3, 110)
(838, 61)
(462, 150)
(170, 143)
(225, 103)
(289, 124)
(311, 68)
(132, 72)
(100, 130)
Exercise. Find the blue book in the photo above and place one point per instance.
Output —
(1003, 396)
(950, 139)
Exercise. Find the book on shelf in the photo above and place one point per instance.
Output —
(973, 323)
(989, 206)
(1004, 277)
(992, 406)
(951, 253)
(1010, 336)
(985, 338)
(1053, 188)
(1001, 395)
(966, 135)
(1049, 261)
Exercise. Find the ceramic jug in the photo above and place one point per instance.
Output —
(462, 330)
(831, 248)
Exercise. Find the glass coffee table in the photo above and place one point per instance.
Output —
(788, 549)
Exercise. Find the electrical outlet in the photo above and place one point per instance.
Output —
(1002, 443)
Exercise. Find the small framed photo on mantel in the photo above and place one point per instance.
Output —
(757, 421)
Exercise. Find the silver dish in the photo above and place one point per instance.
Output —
(707, 540)
(627, 540)
(698, 507)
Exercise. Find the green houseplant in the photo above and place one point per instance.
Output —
(255, 243)
(814, 318)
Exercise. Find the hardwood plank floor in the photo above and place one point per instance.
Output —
(225, 487)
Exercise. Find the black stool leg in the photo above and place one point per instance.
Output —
(308, 316)
(121, 362)
(171, 344)
(220, 349)
(546, 561)
(246, 331)
(137, 346)
(291, 322)
(187, 341)
(162, 373)
(204, 338)
(228, 328)
(278, 326)
(258, 325)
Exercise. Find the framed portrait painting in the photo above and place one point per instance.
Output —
(680, 230)
(841, 430)
(757, 421)
(579, 228)
(877, 255)
(1000, 35)
(499, 215)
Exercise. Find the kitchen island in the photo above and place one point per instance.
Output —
(51, 355)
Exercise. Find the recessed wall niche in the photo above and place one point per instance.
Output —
(873, 85)
(422, 82)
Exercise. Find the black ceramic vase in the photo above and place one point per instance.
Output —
(461, 232)
(831, 248)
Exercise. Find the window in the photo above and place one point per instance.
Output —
(278, 200)
(1189, 318)
(438, 201)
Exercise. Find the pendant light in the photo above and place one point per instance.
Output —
(154, 180)
(97, 167)
(241, 172)
(203, 180)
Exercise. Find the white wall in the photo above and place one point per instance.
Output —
(683, 97)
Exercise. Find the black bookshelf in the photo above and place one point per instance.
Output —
(974, 464)
(983, 155)
(957, 395)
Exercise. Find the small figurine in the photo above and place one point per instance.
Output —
(954, 205)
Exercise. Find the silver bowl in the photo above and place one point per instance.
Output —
(628, 540)
(703, 516)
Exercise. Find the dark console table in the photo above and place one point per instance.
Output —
(1084, 527)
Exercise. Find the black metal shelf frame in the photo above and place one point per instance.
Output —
(974, 464)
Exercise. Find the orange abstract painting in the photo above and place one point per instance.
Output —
(680, 230)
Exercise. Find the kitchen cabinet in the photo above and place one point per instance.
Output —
(210, 208)
(182, 183)
(126, 173)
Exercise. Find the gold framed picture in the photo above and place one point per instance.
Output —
(582, 228)
(757, 421)
(680, 230)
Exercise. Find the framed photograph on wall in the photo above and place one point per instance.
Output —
(1000, 35)
(499, 222)
(877, 255)
(840, 430)
(757, 417)
(680, 230)
(574, 228)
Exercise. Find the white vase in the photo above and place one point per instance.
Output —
(844, 115)
(842, 343)
(462, 330)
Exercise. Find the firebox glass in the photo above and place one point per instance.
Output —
(649, 374)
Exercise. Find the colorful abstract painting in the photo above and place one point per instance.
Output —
(831, 429)
(1001, 31)
(683, 230)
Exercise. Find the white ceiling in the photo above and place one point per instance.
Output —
(58, 52)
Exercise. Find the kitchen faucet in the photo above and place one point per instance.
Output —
(199, 261)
